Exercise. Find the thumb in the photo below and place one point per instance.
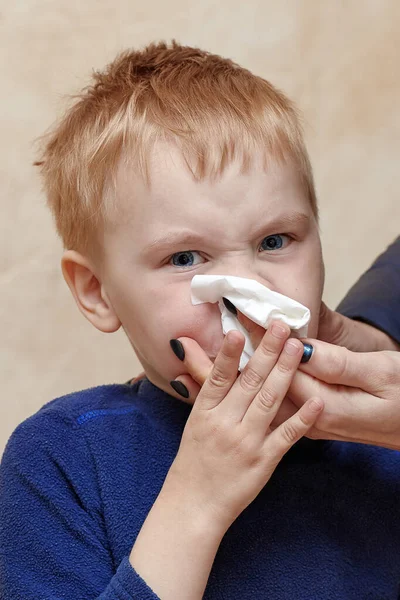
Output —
(196, 366)
(332, 364)
(342, 331)
(197, 363)
(333, 327)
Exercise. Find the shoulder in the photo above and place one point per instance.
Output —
(55, 453)
(77, 406)
(97, 430)
(57, 423)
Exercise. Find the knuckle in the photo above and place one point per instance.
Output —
(267, 349)
(212, 428)
(218, 378)
(250, 380)
(303, 422)
(339, 364)
(245, 447)
(266, 398)
(392, 369)
(289, 432)
(220, 428)
(387, 375)
(284, 367)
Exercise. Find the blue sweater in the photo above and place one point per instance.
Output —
(79, 477)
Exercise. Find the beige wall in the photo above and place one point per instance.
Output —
(339, 61)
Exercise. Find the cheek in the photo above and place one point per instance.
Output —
(169, 315)
(201, 323)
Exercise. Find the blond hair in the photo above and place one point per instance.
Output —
(215, 110)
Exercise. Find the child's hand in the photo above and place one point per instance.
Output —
(198, 366)
(228, 452)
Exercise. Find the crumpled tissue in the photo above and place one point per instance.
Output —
(256, 301)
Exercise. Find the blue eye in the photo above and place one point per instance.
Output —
(189, 258)
(274, 242)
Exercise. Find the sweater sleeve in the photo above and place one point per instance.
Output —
(53, 539)
(375, 298)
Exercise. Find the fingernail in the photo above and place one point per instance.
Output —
(231, 307)
(279, 330)
(180, 388)
(292, 347)
(307, 353)
(177, 349)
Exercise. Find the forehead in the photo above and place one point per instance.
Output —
(172, 192)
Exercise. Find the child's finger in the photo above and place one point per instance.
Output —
(257, 370)
(223, 373)
(268, 400)
(286, 435)
(303, 387)
(186, 387)
(196, 361)
(286, 410)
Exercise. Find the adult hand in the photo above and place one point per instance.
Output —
(354, 335)
(361, 391)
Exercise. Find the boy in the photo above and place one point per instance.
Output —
(173, 163)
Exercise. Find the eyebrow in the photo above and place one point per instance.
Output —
(191, 240)
(283, 223)
(185, 239)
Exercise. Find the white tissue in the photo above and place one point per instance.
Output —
(254, 300)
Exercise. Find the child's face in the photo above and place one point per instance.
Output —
(258, 225)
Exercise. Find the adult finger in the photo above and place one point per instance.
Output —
(369, 371)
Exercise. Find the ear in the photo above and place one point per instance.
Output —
(88, 292)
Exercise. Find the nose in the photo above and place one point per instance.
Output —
(245, 270)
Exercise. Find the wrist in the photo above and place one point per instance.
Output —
(198, 512)
(381, 340)
(176, 546)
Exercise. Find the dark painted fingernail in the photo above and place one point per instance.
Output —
(307, 353)
(231, 307)
(177, 349)
(180, 388)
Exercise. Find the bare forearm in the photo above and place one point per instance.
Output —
(175, 548)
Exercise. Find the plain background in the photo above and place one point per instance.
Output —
(339, 60)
